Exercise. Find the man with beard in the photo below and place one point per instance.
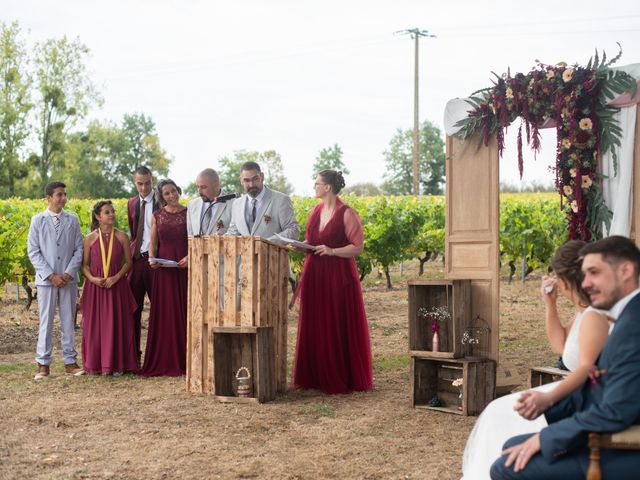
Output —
(608, 402)
(204, 215)
(261, 211)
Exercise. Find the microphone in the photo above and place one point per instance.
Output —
(225, 198)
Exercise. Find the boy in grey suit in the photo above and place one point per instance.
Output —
(54, 246)
(261, 212)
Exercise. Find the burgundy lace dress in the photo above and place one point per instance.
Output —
(108, 343)
(333, 353)
(165, 354)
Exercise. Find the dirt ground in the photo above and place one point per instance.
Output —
(132, 427)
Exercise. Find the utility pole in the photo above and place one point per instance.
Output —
(416, 33)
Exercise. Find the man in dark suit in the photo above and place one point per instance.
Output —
(139, 212)
(610, 400)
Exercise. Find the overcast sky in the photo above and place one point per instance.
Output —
(297, 76)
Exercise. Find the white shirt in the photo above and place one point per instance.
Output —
(214, 209)
(148, 215)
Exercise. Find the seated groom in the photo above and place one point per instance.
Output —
(610, 400)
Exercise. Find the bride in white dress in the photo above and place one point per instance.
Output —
(580, 342)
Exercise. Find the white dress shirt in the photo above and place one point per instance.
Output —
(148, 215)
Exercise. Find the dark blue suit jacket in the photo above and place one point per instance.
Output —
(610, 405)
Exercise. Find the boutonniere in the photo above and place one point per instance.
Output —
(219, 225)
(267, 219)
(594, 375)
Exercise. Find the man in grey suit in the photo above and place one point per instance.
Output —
(261, 211)
(204, 217)
(54, 246)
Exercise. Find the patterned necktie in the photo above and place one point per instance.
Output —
(56, 223)
(139, 230)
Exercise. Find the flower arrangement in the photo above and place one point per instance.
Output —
(468, 339)
(575, 98)
(436, 315)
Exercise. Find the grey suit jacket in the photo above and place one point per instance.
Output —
(219, 223)
(275, 215)
(54, 255)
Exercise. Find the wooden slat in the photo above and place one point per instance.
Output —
(206, 316)
(272, 289)
(262, 305)
(247, 282)
(195, 380)
(264, 365)
(230, 281)
(214, 281)
(240, 329)
(189, 312)
(281, 338)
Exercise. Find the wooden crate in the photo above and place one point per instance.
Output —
(542, 375)
(250, 347)
(235, 284)
(454, 294)
(431, 377)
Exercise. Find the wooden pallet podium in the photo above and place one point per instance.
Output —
(237, 317)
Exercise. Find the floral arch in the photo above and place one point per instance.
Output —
(583, 104)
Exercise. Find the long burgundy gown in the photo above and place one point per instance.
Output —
(108, 343)
(334, 351)
(165, 354)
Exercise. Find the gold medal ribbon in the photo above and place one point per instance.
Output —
(106, 262)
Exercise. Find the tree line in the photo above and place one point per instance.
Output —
(46, 132)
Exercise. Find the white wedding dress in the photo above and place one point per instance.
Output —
(499, 421)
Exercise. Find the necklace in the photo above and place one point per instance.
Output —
(106, 258)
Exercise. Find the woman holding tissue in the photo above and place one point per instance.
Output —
(333, 353)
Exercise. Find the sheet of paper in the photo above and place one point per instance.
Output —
(289, 242)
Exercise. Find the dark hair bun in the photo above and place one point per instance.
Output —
(333, 178)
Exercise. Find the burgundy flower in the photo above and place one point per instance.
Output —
(594, 375)
(435, 327)
(219, 225)
(267, 219)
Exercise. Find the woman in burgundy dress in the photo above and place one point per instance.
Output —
(334, 351)
(167, 338)
(108, 345)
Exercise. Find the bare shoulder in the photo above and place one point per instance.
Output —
(593, 322)
(121, 236)
(91, 238)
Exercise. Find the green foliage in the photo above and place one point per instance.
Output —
(15, 218)
(99, 161)
(390, 227)
(329, 158)
(364, 189)
(65, 94)
(270, 163)
(399, 161)
(532, 226)
(15, 106)
(531, 229)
